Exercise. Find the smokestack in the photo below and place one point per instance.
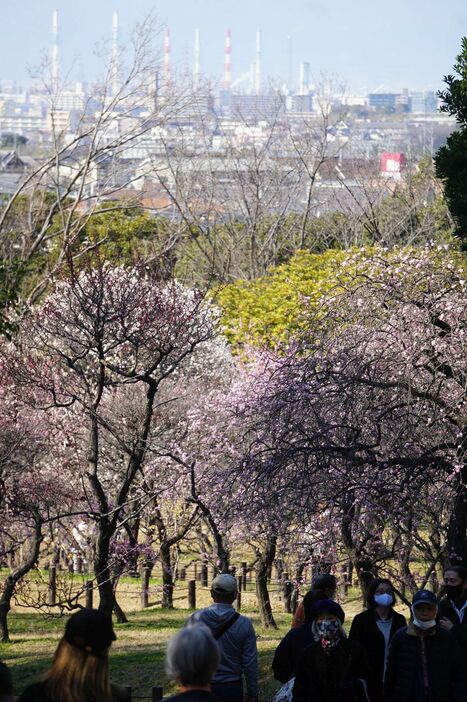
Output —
(114, 58)
(55, 59)
(228, 61)
(257, 82)
(166, 60)
(197, 64)
(290, 63)
(304, 78)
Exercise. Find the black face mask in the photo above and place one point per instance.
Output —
(454, 592)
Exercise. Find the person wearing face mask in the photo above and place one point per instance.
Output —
(332, 668)
(424, 662)
(452, 613)
(374, 629)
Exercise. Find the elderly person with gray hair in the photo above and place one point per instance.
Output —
(192, 658)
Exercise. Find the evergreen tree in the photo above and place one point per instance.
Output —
(451, 159)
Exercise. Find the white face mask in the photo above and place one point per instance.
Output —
(422, 625)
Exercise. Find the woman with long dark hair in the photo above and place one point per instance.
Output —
(374, 628)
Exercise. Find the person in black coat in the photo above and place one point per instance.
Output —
(452, 611)
(374, 629)
(424, 662)
(331, 669)
(293, 644)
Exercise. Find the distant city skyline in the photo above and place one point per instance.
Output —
(367, 46)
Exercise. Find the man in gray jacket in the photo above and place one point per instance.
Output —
(237, 642)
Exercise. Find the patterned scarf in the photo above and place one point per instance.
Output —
(329, 633)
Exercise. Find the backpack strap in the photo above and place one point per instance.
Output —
(217, 634)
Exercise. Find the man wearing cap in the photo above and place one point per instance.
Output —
(424, 662)
(236, 639)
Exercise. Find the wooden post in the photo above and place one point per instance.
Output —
(157, 693)
(243, 569)
(88, 591)
(343, 581)
(145, 573)
(287, 593)
(192, 594)
(52, 585)
(204, 575)
(239, 592)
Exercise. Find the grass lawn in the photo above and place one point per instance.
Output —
(137, 657)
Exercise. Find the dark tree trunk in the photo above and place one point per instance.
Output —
(132, 531)
(363, 566)
(119, 613)
(222, 551)
(167, 576)
(263, 564)
(457, 532)
(102, 569)
(14, 578)
(296, 589)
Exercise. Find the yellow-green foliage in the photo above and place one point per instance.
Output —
(269, 309)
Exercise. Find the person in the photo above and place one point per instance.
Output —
(6, 686)
(80, 667)
(332, 668)
(293, 644)
(236, 639)
(424, 662)
(324, 587)
(374, 628)
(452, 612)
(192, 658)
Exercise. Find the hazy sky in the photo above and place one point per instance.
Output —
(370, 44)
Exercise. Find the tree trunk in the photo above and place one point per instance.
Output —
(296, 590)
(457, 532)
(262, 567)
(119, 613)
(14, 578)
(167, 576)
(364, 568)
(102, 570)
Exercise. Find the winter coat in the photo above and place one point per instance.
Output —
(459, 630)
(290, 650)
(237, 645)
(330, 677)
(430, 662)
(365, 630)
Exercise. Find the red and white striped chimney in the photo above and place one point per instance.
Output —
(166, 59)
(228, 61)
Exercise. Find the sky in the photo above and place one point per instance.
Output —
(368, 45)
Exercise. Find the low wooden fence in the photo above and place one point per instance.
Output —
(189, 580)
